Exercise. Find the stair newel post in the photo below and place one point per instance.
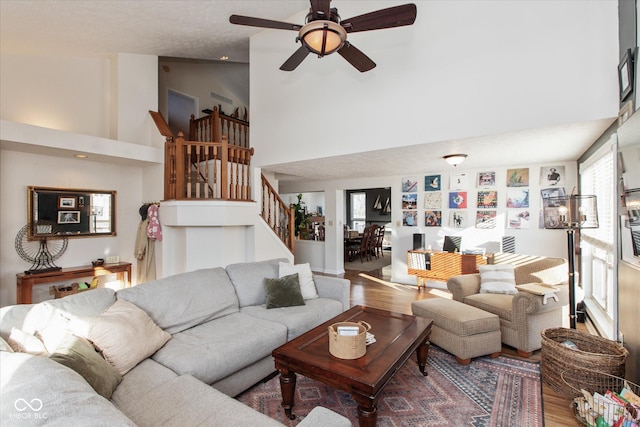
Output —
(292, 224)
(169, 169)
(180, 168)
(193, 133)
(224, 168)
(215, 125)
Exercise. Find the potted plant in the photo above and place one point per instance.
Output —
(302, 219)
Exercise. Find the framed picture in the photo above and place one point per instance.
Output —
(409, 185)
(487, 199)
(433, 218)
(518, 177)
(410, 201)
(69, 217)
(432, 183)
(486, 179)
(65, 202)
(410, 218)
(548, 193)
(552, 175)
(458, 219)
(459, 181)
(517, 197)
(458, 200)
(433, 200)
(486, 219)
(517, 218)
(625, 75)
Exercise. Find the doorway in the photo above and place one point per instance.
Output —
(179, 111)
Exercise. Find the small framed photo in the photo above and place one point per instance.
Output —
(69, 217)
(625, 74)
(486, 179)
(65, 202)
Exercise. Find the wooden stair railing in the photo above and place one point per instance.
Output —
(278, 215)
(196, 170)
(207, 170)
(214, 125)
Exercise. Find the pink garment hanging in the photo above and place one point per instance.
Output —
(154, 231)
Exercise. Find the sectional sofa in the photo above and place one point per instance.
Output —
(178, 349)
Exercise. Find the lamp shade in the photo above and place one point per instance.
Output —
(573, 211)
(455, 159)
(323, 37)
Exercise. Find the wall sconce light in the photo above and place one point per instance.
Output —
(455, 159)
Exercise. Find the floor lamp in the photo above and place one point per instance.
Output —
(571, 213)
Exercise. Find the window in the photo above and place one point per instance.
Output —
(358, 211)
(597, 176)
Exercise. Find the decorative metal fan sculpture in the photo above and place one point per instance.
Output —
(41, 249)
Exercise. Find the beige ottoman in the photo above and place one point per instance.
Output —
(461, 329)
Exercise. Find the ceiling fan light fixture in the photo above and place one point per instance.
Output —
(323, 37)
(455, 159)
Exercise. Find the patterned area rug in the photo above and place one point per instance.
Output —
(488, 392)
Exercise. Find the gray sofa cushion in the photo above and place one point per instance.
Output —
(218, 348)
(298, 319)
(182, 301)
(248, 279)
(38, 316)
(59, 398)
(185, 401)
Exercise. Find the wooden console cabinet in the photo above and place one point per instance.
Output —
(428, 265)
(25, 281)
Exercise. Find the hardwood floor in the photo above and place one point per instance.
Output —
(374, 289)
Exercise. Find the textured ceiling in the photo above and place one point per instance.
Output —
(200, 30)
(184, 29)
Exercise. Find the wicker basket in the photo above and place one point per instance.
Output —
(65, 290)
(593, 353)
(577, 379)
(348, 346)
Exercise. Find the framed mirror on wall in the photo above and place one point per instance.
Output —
(72, 212)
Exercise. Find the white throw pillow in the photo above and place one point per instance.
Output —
(22, 342)
(305, 276)
(4, 346)
(124, 333)
(497, 279)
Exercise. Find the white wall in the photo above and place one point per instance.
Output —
(531, 241)
(65, 93)
(199, 79)
(84, 100)
(20, 170)
(464, 69)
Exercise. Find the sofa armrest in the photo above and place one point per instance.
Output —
(323, 417)
(334, 288)
(526, 304)
(464, 285)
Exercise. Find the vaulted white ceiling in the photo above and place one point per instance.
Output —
(201, 30)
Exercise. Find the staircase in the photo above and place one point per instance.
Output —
(214, 163)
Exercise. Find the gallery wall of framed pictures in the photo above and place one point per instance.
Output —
(501, 199)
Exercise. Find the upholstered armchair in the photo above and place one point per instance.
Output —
(523, 316)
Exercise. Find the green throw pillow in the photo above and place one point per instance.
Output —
(283, 292)
(80, 355)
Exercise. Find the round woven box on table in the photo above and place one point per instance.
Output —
(594, 353)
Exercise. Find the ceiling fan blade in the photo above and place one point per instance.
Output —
(295, 59)
(396, 16)
(321, 9)
(356, 58)
(263, 23)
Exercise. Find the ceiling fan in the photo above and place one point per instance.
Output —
(324, 33)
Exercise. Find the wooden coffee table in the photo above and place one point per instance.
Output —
(397, 337)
